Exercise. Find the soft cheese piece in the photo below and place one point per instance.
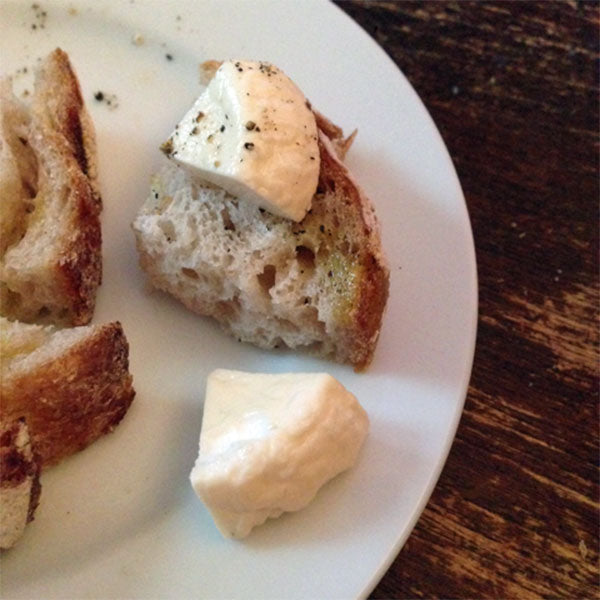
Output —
(269, 442)
(253, 133)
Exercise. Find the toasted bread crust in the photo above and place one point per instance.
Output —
(54, 267)
(79, 262)
(334, 134)
(367, 312)
(74, 398)
(360, 331)
(58, 100)
(20, 487)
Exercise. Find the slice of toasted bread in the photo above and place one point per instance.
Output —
(71, 385)
(50, 253)
(19, 481)
(321, 284)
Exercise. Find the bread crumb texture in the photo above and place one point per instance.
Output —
(50, 236)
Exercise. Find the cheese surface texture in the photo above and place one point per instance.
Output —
(252, 133)
(269, 442)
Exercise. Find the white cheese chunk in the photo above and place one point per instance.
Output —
(253, 133)
(269, 442)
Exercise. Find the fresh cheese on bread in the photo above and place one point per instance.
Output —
(71, 385)
(253, 133)
(50, 261)
(19, 481)
(320, 284)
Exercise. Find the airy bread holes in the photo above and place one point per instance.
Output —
(168, 229)
(348, 249)
(227, 222)
(189, 273)
(305, 257)
(266, 279)
(228, 309)
(43, 312)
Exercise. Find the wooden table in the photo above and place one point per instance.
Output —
(513, 88)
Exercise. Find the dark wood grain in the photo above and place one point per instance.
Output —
(513, 88)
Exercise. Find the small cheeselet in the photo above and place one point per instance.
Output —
(252, 132)
(269, 442)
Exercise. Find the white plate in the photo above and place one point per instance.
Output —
(120, 519)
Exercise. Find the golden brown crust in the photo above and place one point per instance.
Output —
(359, 331)
(58, 253)
(20, 488)
(17, 462)
(335, 134)
(208, 69)
(58, 100)
(74, 398)
(79, 262)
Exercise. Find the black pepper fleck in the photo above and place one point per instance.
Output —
(109, 100)
(249, 145)
(222, 129)
(250, 125)
(169, 56)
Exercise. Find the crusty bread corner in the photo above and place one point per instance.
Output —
(71, 385)
(360, 326)
(50, 256)
(58, 101)
(335, 135)
(20, 487)
(320, 285)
